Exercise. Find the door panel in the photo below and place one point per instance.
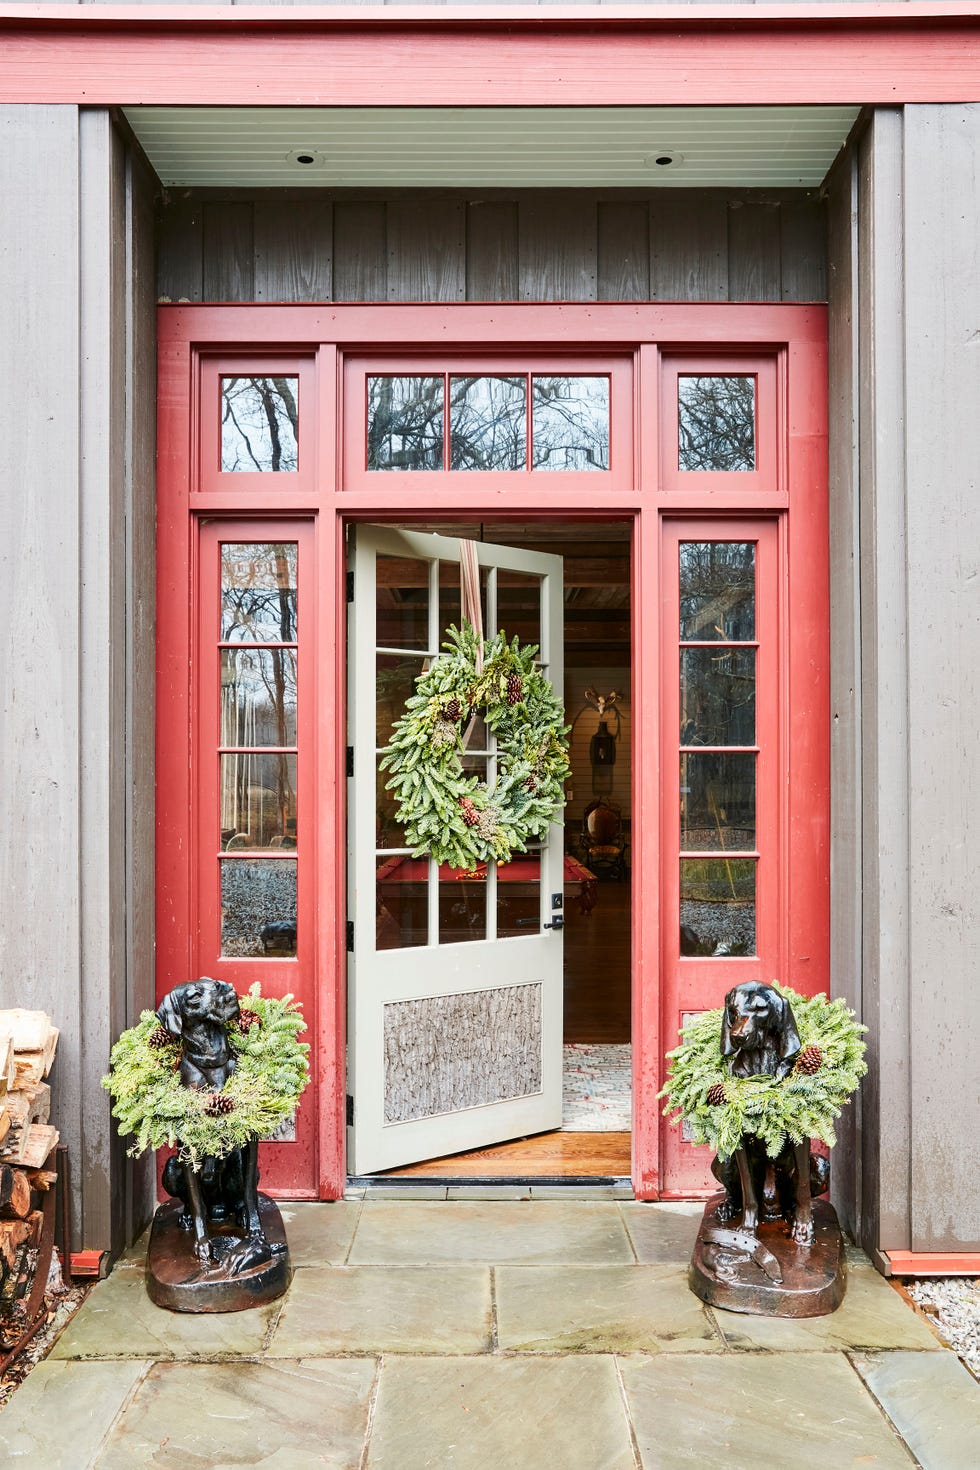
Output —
(455, 987)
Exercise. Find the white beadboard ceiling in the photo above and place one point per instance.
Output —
(507, 147)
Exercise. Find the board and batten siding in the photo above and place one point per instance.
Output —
(672, 245)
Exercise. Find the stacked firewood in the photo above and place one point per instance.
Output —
(27, 1047)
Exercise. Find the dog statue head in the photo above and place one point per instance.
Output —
(758, 1031)
(196, 1001)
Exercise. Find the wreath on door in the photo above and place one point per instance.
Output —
(456, 817)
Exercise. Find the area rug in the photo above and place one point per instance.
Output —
(596, 1089)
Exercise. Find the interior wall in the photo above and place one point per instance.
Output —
(668, 245)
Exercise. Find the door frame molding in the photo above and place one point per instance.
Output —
(192, 336)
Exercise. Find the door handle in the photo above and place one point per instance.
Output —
(558, 922)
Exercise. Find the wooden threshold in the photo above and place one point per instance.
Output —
(545, 1156)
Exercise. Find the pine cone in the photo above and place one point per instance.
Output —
(531, 784)
(247, 1019)
(716, 1094)
(217, 1105)
(453, 710)
(159, 1038)
(810, 1060)
(470, 814)
(515, 688)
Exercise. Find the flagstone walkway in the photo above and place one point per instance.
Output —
(472, 1334)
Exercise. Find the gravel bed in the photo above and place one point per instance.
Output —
(953, 1306)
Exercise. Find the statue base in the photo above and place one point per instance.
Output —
(175, 1278)
(769, 1275)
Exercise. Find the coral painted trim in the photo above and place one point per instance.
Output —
(933, 1263)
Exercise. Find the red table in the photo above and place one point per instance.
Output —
(401, 869)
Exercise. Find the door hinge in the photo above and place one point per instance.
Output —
(350, 936)
(350, 760)
(350, 1111)
(350, 586)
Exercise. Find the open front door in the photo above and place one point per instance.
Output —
(455, 978)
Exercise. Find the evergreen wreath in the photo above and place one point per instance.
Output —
(720, 1109)
(151, 1102)
(453, 816)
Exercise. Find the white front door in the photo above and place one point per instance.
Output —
(455, 978)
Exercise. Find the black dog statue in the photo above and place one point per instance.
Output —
(759, 1038)
(220, 1190)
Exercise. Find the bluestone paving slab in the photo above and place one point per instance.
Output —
(374, 1309)
(118, 1320)
(59, 1416)
(299, 1415)
(933, 1402)
(784, 1411)
(600, 1309)
(483, 1413)
(319, 1234)
(496, 1231)
(662, 1232)
(872, 1315)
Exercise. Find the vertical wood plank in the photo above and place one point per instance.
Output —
(753, 252)
(360, 259)
(40, 949)
(293, 250)
(180, 270)
(624, 251)
(688, 248)
(557, 248)
(803, 251)
(426, 250)
(491, 250)
(942, 385)
(229, 258)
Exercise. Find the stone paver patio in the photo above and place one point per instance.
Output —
(482, 1333)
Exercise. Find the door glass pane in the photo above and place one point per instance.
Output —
(487, 423)
(519, 896)
(258, 592)
(717, 906)
(258, 801)
(405, 423)
(259, 424)
(402, 602)
(462, 905)
(388, 831)
(716, 422)
(402, 903)
(450, 601)
(258, 907)
(258, 696)
(394, 682)
(717, 802)
(570, 429)
(717, 696)
(717, 584)
(519, 606)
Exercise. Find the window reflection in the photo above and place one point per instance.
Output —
(258, 592)
(258, 907)
(405, 423)
(717, 590)
(259, 425)
(716, 423)
(571, 423)
(258, 801)
(487, 423)
(718, 906)
(717, 802)
(258, 696)
(717, 696)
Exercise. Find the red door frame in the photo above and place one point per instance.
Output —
(794, 337)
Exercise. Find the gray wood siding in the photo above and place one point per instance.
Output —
(672, 245)
(76, 476)
(942, 447)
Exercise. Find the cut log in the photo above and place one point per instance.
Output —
(7, 1072)
(13, 1233)
(41, 1179)
(4, 1124)
(18, 1108)
(41, 1139)
(41, 1103)
(29, 1067)
(28, 1029)
(15, 1194)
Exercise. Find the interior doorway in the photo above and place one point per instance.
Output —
(594, 1138)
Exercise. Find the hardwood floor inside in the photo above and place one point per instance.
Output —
(597, 1009)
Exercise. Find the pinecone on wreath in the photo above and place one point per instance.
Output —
(453, 710)
(515, 689)
(810, 1060)
(716, 1094)
(158, 1039)
(247, 1019)
(217, 1105)
(470, 814)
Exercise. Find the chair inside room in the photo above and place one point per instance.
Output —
(602, 840)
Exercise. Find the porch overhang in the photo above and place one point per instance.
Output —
(448, 56)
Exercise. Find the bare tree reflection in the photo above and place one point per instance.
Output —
(259, 424)
(716, 423)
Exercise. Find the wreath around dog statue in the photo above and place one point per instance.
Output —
(210, 1075)
(760, 1079)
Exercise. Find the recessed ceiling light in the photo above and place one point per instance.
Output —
(663, 158)
(305, 157)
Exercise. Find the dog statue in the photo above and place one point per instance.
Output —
(220, 1190)
(759, 1038)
